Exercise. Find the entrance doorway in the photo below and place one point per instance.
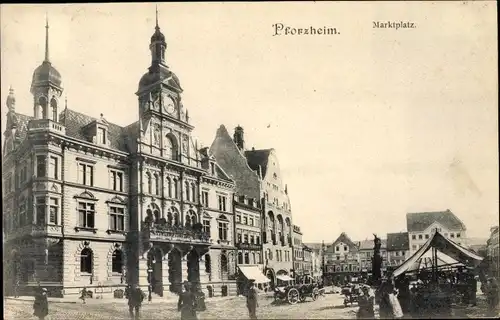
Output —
(155, 258)
(175, 271)
(193, 264)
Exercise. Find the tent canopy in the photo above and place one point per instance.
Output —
(253, 273)
(448, 251)
(284, 277)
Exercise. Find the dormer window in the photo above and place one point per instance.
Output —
(101, 135)
(212, 168)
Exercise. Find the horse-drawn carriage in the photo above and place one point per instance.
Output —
(293, 293)
(351, 294)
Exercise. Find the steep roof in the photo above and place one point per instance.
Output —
(419, 221)
(258, 158)
(369, 244)
(75, 121)
(398, 241)
(21, 122)
(233, 162)
(345, 239)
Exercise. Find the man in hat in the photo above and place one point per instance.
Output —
(41, 305)
(135, 298)
(252, 302)
(186, 304)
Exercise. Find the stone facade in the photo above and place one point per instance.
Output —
(92, 204)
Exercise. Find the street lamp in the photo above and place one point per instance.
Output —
(323, 270)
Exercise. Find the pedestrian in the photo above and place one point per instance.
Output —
(252, 302)
(135, 298)
(41, 304)
(83, 295)
(473, 290)
(492, 295)
(16, 288)
(366, 302)
(186, 304)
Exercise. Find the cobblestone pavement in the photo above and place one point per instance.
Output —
(328, 307)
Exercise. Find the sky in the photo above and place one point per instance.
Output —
(368, 124)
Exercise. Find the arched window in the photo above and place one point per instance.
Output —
(86, 261)
(157, 184)
(208, 263)
(43, 106)
(156, 214)
(176, 189)
(170, 218)
(253, 256)
(186, 187)
(149, 216)
(149, 182)
(117, 261)
(53, 106)
(170, 148)
(247, 258)
(240, 258)
(169, 187)
(193, 192)
(259, 260)
(223, 263)
(175, 216)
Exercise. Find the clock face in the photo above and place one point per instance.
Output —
(168, 104)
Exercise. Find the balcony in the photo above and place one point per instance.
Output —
(36, 231)
(44, 125)
(248, 246)
(156, 232)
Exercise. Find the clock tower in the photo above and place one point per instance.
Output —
(164, 122)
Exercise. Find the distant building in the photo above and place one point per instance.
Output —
(398, 249)
(308, 262)
(421, 226)
(317, 263)
(248, 230)
(366, 254)
(298, 254)
(342, 259)
(492, 252)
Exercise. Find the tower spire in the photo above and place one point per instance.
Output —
(157, 26)
(47, 37)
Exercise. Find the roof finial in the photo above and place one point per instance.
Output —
(66, 102)
(157, 27)
(47, 37)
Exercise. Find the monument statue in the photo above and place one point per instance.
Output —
(376, 260)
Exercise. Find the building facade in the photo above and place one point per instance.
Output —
(492, 252)
(298, 252)
(248, 230)
(422, 225)
(257, 175)
(307, 264)
(398, 249)
(342, 259)
(88, 203)
(366, 254)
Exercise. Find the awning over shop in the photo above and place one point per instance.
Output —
(253, 273)
(447, 251)
(284, 277)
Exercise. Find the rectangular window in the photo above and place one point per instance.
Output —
(238, 218)
(252, 239)
(239, 237)
(206, 226)
(54, 167)
(40, 211)
(458, 235)
(117, 180)
(245, 220)
(245, 238)
(86, 174)
(414, 237)
(419, 237)
(117, 218)
(86, 214)
(257, 240)
(452, 235)
(204, 198)
(427, 236)
(54, 210)
(101, 135)
(222, 231)
(251, 222)
(222, 202)
(41, 169)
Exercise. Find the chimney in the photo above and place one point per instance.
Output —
(238, 138)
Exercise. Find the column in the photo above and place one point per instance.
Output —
(164, 272)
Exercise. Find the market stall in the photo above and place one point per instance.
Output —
(431, 263)
(250, 272)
